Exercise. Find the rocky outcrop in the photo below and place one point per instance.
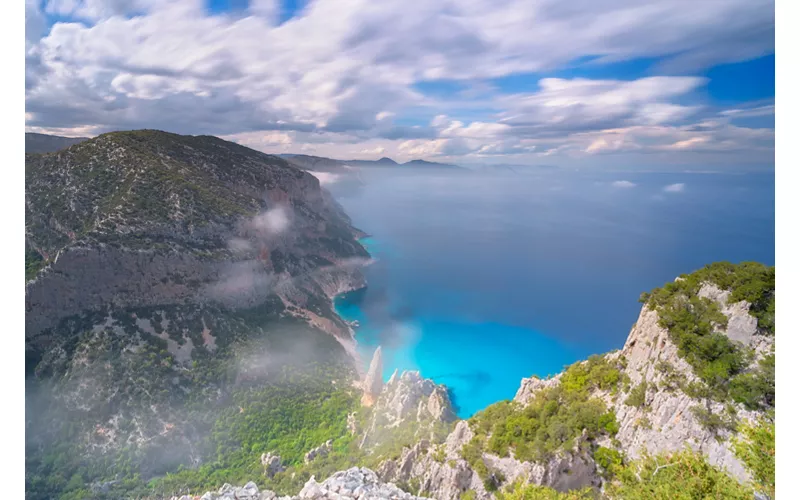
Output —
(355, 483)
(320, 451)
(407, 401)
(352, 484)
(272, 464)
(144, 218)
(666, 421)
(373, 381)
(530, 386)
(441, 472)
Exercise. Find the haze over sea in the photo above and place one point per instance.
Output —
(482, 279)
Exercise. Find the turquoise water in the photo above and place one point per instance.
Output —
(482, 281)
(447, 350)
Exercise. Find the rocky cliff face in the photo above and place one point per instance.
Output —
(408, 405)
(353, 484)
(145, 218)
(373, 381)
(665, 421)
(164, 271)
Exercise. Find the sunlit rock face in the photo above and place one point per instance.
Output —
(353, 484)
(373, 381)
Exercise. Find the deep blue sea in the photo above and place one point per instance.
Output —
(481, 280)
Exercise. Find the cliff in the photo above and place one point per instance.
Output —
(352, 484)
(165, 275)
(660, 402)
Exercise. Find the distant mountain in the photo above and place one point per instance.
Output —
(389, 163)
(315, 163)
(428, 164)
(43, 143)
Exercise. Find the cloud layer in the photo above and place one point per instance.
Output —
(343, 77)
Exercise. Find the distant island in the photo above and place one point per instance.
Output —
(43, 143)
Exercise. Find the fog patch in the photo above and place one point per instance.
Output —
(325, 178)
(270, 223)
(675, 188)
(242, 283)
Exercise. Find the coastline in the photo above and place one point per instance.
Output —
(352, 346)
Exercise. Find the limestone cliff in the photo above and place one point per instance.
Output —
(373, 381)
(164, 272)
(146, 218)
(352, 484)
(666, 419)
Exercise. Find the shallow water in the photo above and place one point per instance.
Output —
(483, 280)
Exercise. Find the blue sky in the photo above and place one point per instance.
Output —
(609, 82)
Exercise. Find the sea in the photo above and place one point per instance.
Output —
(482, 279)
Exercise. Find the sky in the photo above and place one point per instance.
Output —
(614, 83)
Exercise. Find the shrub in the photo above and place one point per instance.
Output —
(608, 459)
(520, 491)
(682, 476)
(756, 449)
(637, 396)
(692, 322)
(551, 421)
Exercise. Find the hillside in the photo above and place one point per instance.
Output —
(683, 410)
(165, 275)
(180, 336)
(43, 143)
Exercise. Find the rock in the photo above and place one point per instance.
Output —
(272, 464)
(319, 451)
(668, 413)
(373, 382)
(530, 386)
(408, 399)
(741, 324)
(354, 483)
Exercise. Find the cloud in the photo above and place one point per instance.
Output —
(623, 184)
(271, 222)
(675, 188)
(581, 105)
(325, 178)
(346, 72)
(374, 151)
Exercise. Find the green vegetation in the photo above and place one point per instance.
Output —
(520, 491)
(692, 320)
(750, 281)
(682, 476)
(637, 396)
(596, 373)
(287, 419)
(756, 449)
(608, 459)
(756, 390)
(34, 262)
(144, 413)
(551, 421)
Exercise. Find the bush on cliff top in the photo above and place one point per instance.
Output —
(552, 420)
(750, 281)
(692, 320)
(682, 476)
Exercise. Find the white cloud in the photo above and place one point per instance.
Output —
(325, 178)
(336, 76)
(374, 151)
(675, 188)
(623, 184)
(270, 223)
